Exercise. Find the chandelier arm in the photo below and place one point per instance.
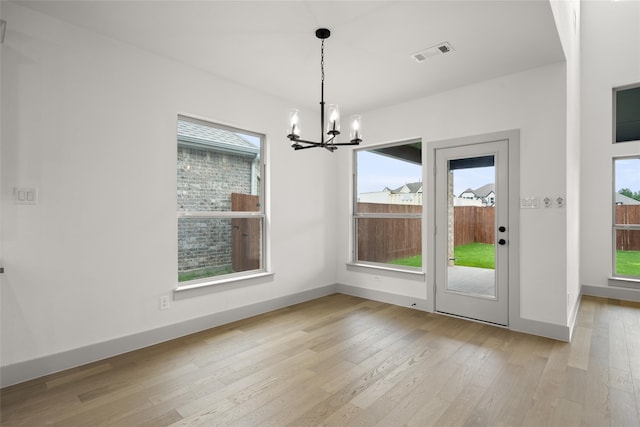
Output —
(303, 141)
(354, 142)
(302, 147)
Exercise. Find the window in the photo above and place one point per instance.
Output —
(626, 113)
(626, 224)
(221, 217)
(388, 206)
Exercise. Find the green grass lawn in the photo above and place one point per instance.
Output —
(203, 272)
(480, 255)
(628, 263)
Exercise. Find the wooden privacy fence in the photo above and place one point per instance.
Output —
(473, 224)
(628, 240)
(382, 240)
(245, 233)
(386, 239)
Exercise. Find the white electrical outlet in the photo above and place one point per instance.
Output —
(559, 201)
(547, 202)
(164, 302)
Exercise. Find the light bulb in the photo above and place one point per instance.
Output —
(355, 134)
(334, 119)
(293, 129)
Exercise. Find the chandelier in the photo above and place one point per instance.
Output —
(327, 140)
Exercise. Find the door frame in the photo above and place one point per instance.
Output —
(513, 141)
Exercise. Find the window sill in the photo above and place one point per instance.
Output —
(358, 266)
(205, 283)
(625, 282)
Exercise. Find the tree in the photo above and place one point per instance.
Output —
(627, 192)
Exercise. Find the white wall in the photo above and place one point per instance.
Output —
(610, 58)
(534, 102)
(567, 18)
(91, 123)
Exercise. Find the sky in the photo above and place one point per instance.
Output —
(627, 174)
(375, 172)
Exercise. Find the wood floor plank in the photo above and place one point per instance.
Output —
(346, 361)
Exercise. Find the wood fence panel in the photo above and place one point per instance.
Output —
(383, 240)
(473, 224)
(628, 240)
(245, 234)
(386, 239)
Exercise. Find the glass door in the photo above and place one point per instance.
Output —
(471, 231)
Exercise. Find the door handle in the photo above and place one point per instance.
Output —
(502, 242)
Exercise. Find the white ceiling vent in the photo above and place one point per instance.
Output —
(439, 49)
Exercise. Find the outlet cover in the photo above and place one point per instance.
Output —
(164, 302)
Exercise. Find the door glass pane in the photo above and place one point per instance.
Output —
(471, 226)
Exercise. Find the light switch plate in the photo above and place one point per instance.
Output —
(25, 196)
(529, 202)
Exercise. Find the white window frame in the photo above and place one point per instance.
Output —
(261, 215)
(357, 216)
(620, 279)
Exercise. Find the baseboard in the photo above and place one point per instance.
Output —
(613, 292)
(533, 327)
(389, 298)
(543, 329)
(35, 368)
(573, 318)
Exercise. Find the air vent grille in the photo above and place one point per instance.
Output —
(439, 49)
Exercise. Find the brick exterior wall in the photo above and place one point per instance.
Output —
(206, 180)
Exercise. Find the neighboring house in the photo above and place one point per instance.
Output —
(621, 199)
(407, 194)
(482, 196)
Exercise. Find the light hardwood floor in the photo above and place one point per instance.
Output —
(345, 361)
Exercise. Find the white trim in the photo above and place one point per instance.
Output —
(386, 297)
(45, 365)
(414, 271)
(625, 282)
(614, 292)
(533, 327)
(543, 329)
(513, 137)
(35, 368)
(227, 278)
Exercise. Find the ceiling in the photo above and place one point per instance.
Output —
(271, 46)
